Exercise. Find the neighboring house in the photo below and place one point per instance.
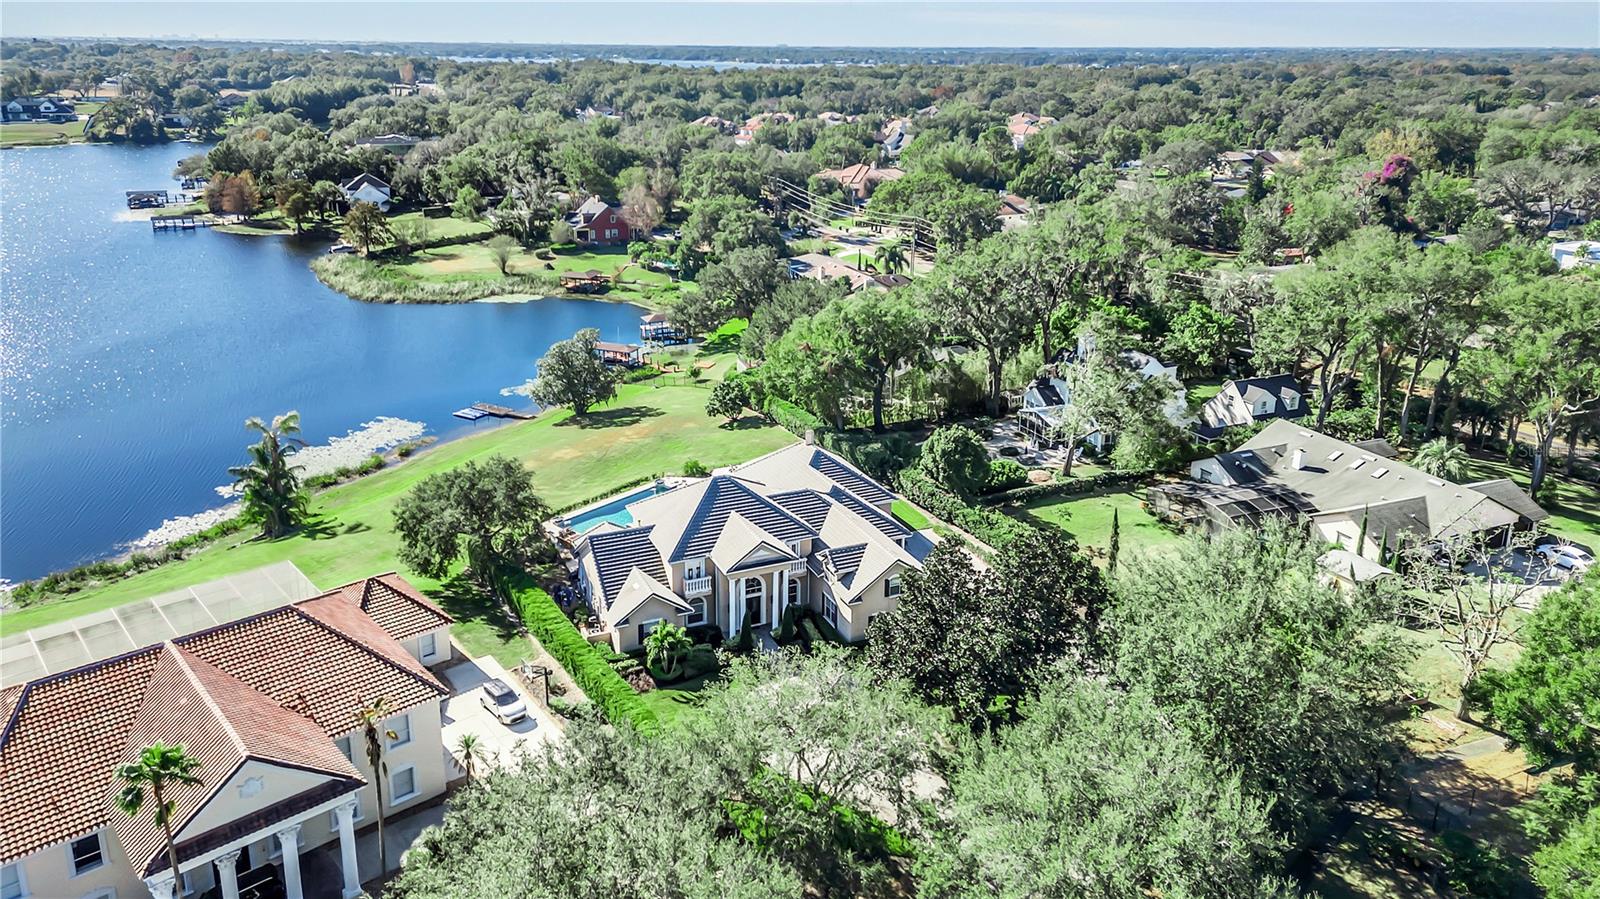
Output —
(656, 327)
(599, 222)
(596, 112)
(397, 144)
(1045, 399)
(368, 188)
(861, 179)
(1356, 495)
(797, 527)
(268, 704)
(40, 109)
(1013, 212)
(232, 98)
(831, 118)
(717, 122)
(747, 131)
(1561, 217)
(818, 267)
(1024, 125)
(1348, 571)
(1573, 253)
(1247, 400)
(894, 136)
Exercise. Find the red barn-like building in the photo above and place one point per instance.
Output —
(598, 222)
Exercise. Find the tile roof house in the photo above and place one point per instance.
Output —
(1245, 400)
(268, 704)
(818, 267)
(1357, 495)
(861, 179)
(799, 526)
(1024, 125)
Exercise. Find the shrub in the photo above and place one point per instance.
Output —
(1071, 487)
(587, 666)
(792, 418)
(698, 661)
(693, 469)
(989, 525)
(1005, 474)
(641, 374)
(955, 457)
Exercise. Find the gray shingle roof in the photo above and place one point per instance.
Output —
(723, 496)
(843, 560)
(618, 552)
(849, 478)
(809, 506)
(890, 528)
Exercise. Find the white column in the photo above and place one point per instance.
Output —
(289, 841)
(737, 624)
(772, 601)
(228, 874)
(346, 814)
(783, 593)
(162, 886)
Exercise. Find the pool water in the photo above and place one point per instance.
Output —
(615, 511)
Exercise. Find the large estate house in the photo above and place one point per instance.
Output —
(1242, 401)
(1356, 495)
(797, 527)
(268, 701)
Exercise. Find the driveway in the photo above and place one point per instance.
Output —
(464, 714)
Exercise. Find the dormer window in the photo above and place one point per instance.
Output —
(1291, 400)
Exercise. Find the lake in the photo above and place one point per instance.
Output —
(129, 360)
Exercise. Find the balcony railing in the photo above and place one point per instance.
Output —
(695, 586)
(798, 566)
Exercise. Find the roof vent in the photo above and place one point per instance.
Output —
(1334, 456)
(1299, 458)
(1380, 473)
(1436, 482)
(1357, 464)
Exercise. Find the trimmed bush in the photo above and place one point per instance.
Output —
(1071, 487)
(594, 675)
(792, 418)
(1005, 474)
(989, 525)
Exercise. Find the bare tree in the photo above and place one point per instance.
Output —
(1467, 588)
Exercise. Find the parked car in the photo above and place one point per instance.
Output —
(1565, 556)
(499, 698)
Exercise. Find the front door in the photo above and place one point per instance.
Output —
(755, 594)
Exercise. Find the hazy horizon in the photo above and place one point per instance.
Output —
(1173, 24)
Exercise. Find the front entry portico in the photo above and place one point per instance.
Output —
(765, 595)
(285, 835)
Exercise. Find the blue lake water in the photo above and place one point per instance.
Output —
(129, 359)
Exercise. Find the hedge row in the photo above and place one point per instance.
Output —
(610, 492)
(1071, 487)
(879, 455)
(989, 525)
(791, 417)
(604, 687)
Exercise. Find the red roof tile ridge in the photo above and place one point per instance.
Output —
(427, 680)
(183, 658)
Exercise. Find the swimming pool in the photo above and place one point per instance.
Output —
(615, 511)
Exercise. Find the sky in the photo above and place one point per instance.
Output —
(891, 23)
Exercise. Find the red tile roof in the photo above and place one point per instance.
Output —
(275, 686)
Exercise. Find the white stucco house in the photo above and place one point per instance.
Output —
(367, 188)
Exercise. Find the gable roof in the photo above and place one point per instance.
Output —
(222, 723)
(282, 680)
(722, 496)
(1506, 492)
(618, 553)
(366, 179)
(592, 207)
(638, 589)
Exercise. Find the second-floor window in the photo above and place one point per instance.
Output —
(347, 747)
(11, 886)
(891, 587)
(401, 725)
(830, 609)
(429, 645)
(694, 569)
(87, 854)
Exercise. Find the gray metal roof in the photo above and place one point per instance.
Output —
(890, 528)
(618, 552)
(850, 479)
(723, 496)
(809, 506)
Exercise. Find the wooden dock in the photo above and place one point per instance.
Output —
(490, 410)
(178, 222)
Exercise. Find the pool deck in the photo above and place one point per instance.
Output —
(558, 525)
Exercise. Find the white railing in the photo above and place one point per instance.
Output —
(695, 586)
(797, 567)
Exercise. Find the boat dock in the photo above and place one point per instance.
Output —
(178, 222)
(490, 410)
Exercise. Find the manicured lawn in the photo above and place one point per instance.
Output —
(647, 430)
(1088, 518)
(31, 134)
(475, 262)
(680, 699)
(1576, 513)
(909, 515)
(438, 228)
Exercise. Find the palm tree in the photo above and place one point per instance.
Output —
(160, 768)
(470, 754)
(271, 488)
(373, 734)
(1442, 459)
(891, 256)
(667, 644)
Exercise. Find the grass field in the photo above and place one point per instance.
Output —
(646, 430)
(39, 134)
(1088, 518)
(474, 262)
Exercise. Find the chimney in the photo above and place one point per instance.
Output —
(1299, 458)
(811, 437)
